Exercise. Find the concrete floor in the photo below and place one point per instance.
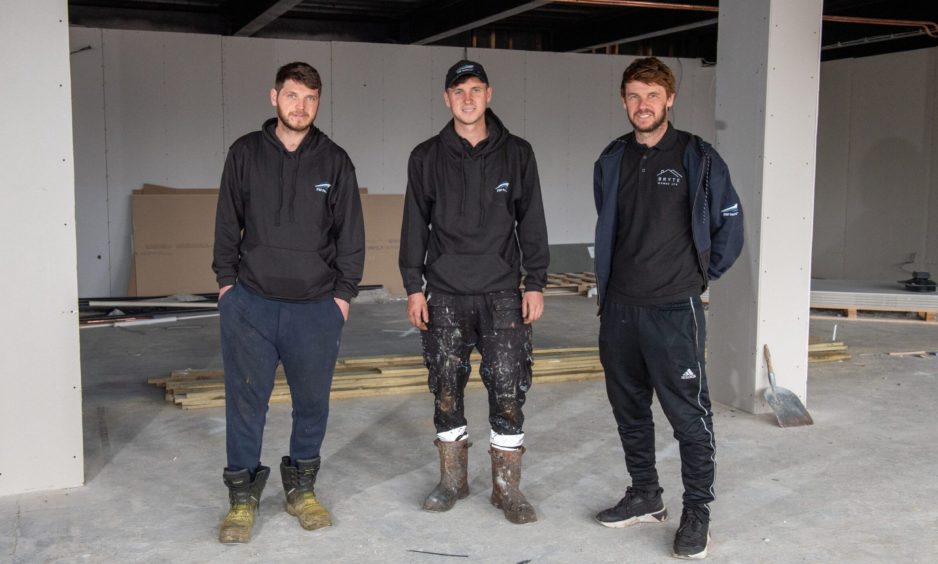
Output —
(858, 486)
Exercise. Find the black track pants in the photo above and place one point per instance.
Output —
(660, 349)
(492, 323)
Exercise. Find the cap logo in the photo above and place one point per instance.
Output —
(465, 68)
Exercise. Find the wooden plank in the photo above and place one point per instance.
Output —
(828, 346)
(831, 356)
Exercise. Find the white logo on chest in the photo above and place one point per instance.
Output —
(669, 178)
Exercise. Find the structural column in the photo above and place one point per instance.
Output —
(40, 374)
(768, 62)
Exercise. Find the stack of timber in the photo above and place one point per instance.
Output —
(827, 351)
(576, 283)
(377, 376)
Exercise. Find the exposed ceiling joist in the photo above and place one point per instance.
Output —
(649, 35)
(260, 16)
(435, 25)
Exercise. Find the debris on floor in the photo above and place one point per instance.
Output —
(920, 354)
(131, 310)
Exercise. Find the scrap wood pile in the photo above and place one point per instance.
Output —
(376, 376)
(578, 283)
(827, 351)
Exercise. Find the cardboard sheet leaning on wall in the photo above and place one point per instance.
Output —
(173, 233)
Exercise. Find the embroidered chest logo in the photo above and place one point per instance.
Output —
(503, 187)
(669, 178)
(731, 211)
(323, 187)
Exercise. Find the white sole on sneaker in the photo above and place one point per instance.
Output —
(659, 517)
(699, 556)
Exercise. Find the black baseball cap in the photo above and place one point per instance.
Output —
(464, 68)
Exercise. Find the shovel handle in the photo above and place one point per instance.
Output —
(768, 365)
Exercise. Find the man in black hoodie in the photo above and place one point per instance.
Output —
(289, 253)
(473, 216)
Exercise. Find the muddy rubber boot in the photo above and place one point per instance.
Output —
(506, 475)
(299, 478)
(244, 497)
(454, 482)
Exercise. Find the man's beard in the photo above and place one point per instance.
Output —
(653, 127)
(284, 119)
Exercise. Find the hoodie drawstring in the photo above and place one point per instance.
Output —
(296, 172)
(292, 203)
(482, 196)
(280, 191)
(465, 183)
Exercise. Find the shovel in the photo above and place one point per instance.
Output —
(788, 409)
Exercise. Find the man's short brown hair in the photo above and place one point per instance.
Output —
(649, 70)
(298, 72)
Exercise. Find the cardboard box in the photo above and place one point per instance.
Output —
(383, 214)
(173, 235)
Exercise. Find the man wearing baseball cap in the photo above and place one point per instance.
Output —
(473, 218)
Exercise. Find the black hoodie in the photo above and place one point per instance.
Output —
(473, 216)
(289, 224)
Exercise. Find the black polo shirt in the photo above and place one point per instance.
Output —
(654, 260)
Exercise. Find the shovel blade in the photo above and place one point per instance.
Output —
(788, 409)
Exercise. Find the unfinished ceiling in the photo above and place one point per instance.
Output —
(614, 26)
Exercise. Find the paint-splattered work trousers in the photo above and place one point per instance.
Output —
(491, 323)
(257, 333)
(660, 349)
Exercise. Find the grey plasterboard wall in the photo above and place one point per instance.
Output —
(876, 214)
(40, 412)
(163, 108)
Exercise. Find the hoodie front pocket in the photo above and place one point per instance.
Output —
(472, 274)
(286, 273)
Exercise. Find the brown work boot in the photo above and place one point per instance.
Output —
(454, 483)
(244, 496)
(299, 478)
(506, 475)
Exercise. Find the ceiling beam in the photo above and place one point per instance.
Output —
(435, 25)
(649, 35)
(615, 27)
(247, 23)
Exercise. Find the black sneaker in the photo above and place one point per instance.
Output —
(693, 536)
(637, 506)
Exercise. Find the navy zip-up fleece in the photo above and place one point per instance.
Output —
(472, 217)
(289, 224)
(716, 213)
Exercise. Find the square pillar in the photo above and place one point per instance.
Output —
(768, 62)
